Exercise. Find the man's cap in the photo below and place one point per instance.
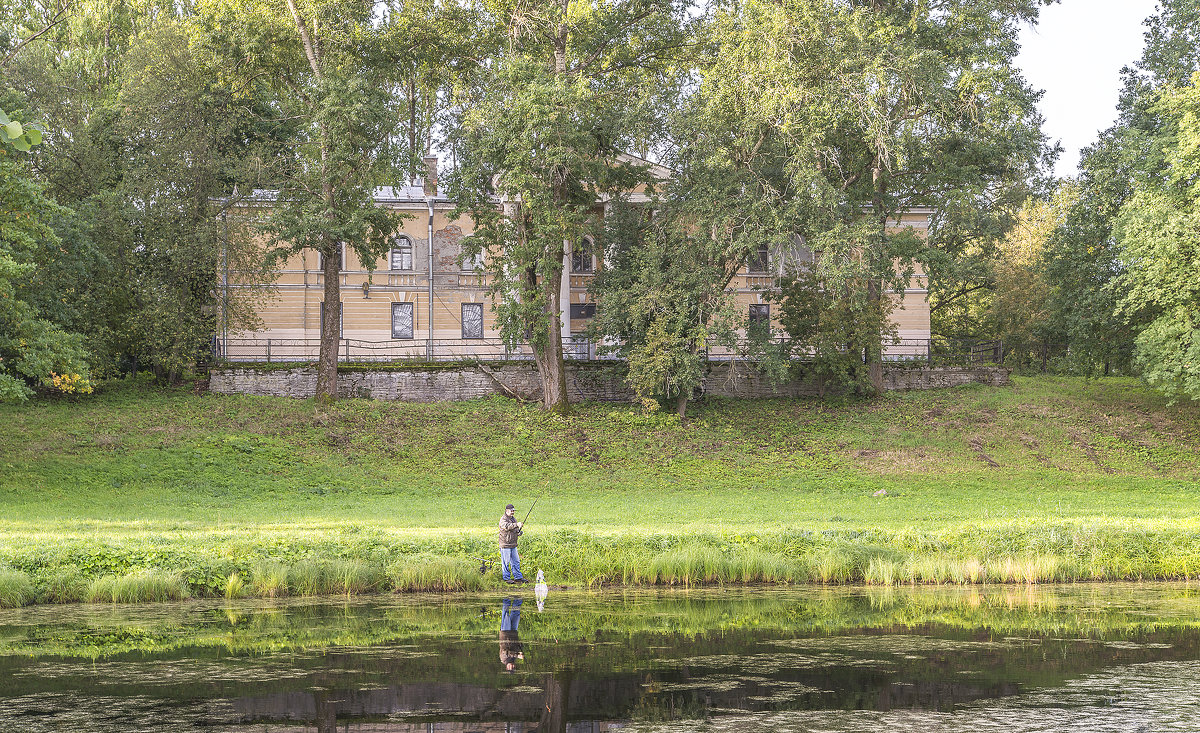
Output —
(510, 506)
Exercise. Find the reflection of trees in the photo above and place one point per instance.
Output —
(558, 693)
(431, 662)
(257, 627)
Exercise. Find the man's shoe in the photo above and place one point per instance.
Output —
(510, 582)
(522, 581)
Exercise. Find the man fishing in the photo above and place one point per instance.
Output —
(510, 530)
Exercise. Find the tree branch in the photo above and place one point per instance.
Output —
(306, 38)
(59, 17)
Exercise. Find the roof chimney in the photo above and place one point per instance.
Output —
(431, 181)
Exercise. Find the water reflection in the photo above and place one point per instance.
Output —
(511, 649)
(724, 660)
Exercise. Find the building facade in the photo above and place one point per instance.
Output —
(423, 301)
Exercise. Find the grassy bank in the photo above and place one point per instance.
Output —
(202, 495)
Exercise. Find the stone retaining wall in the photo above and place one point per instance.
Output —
(601, 381)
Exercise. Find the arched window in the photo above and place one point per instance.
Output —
(402, 254)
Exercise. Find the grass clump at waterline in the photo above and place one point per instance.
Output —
(16, 588)
(431, 572)
(142, 586)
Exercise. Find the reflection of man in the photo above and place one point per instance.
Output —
(511, 648)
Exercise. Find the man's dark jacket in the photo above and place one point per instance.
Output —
(509, 532)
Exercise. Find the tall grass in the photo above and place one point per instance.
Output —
(428, 572)
(65, 584)
(16, 588)
(235, 587)
(269, 579)
(141, 586)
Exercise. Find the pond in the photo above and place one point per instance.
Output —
(1045, 658)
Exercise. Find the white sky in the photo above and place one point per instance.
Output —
(1076, 53)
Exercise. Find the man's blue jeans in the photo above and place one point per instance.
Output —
(510, 564)
(511, 616)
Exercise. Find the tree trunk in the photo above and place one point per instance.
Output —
(681, 404)
(874, 346)
(330, 322)
(549, 358)
(874, 355)
(554, 708)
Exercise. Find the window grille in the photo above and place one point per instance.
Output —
(472, 320)
(404, 320)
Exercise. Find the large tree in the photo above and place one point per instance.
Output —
(1159, 233)
(816, 123)
(545, 129)
(1085, 257)
(913, 104)
(325, 66)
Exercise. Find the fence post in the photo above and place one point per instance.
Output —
(268, 351)
(929, 351)
(346, 350)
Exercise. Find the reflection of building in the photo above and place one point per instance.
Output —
(398, 310)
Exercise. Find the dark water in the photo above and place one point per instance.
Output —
(1068, 658)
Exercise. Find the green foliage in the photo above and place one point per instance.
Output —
(947, 123)
(321, 72)
(546, 128)
(425, 572)
(21, 137)
(235, 587)
(64, 584)
(823, 323)
(1088, 258)
(34, 352)
(141, 586)
(1159, 231)
(661, 302)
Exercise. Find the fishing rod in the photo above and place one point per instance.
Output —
(526, 519)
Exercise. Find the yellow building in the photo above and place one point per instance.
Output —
(394, 308)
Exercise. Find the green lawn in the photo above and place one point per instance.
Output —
(145, 477)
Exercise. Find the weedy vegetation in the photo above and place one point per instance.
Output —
(139, 493)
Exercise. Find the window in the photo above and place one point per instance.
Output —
(583, 310)
(402, 254)
(760, 261)
(342, 254)
(472, 263)
(321, 324)
(581, 256)
(472, 320)
(760, 318)
(404, 320)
